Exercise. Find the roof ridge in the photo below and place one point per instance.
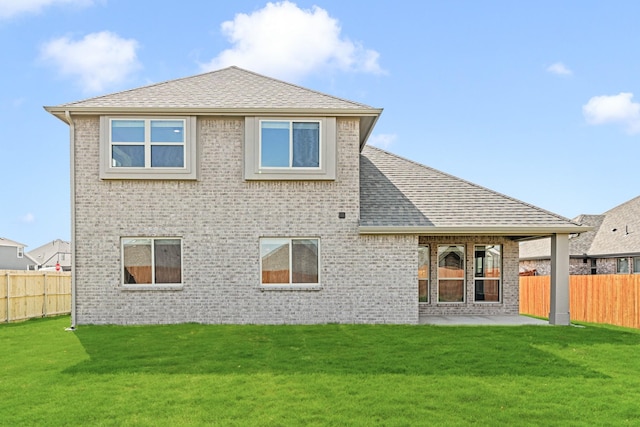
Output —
(622, 204)
(513, 199)
(301, 87)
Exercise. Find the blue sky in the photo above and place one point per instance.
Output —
(539, 100)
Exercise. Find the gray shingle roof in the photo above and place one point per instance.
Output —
(228, 88)
(228, 91)
(395, 192)
(7, 242)
(625, 220)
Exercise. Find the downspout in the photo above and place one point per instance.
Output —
(72, 133)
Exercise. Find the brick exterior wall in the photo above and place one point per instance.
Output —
(220, 218)
(509, 304)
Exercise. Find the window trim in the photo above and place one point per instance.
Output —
(188, 172)
(290, 285)
(327, 151)
(476, 278)
(152, 286)
(464, 274)
(20, 252)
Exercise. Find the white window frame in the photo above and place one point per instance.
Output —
(427, 248)
(152, 285)
(291, 122)
(20, 252)
(291, 285)
(187, 172)
(464, 274)
(253, 170)
(485, 278)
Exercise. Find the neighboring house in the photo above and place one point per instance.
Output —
(13, 257)
(52, 254)
(231, 197)
(613, 246)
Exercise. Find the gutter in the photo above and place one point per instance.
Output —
(61, 111)
(484, 230)
(72, 137)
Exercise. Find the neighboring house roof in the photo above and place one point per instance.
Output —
(602, 240)
(230, 90)
(52, 252)
(7, 242)
(399, 195)
(619, 233)
(579, 244)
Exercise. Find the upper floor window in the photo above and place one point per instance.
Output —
(289, 144)
(20, 252)
(148, 148)
(290, 148)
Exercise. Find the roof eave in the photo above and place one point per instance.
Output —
(366, 127)
(60, 111)
(521, 232)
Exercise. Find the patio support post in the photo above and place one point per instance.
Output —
(559, 307)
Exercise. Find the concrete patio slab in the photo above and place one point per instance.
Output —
(502, 320)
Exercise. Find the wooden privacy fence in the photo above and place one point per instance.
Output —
(29, 294)
(606, 298)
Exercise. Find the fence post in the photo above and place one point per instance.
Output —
(8, 288)
(44, 299)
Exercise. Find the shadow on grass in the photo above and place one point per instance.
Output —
(340, 349)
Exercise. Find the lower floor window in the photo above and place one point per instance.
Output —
(423, 273)
(285, 261)
(150, 261)
(636, 264)
(451, 273)
(622, 265)
(487, 272)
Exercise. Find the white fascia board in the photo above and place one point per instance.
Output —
(495, 231)
(59, 111)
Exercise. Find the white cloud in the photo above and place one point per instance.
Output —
(28, 218)
(618, 109)
(560, 69)
(99, 60)
(11, 8)
(382, 140)
(284, 41)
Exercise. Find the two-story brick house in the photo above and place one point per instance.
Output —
(231, 197)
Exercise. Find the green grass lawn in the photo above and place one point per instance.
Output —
(317, 375)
